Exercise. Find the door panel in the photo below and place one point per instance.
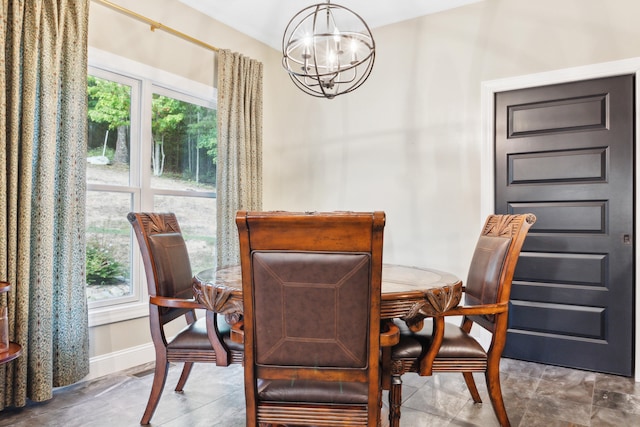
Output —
(565, 153)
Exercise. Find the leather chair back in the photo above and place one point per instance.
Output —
(311, 286)
(165, 257)
(311, 307)
(493, 264)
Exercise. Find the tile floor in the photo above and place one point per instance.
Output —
(535, 395)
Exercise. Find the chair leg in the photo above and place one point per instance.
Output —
(471, 385)
(395, 400)
(492, 377)
(184, 376)
(159, 379)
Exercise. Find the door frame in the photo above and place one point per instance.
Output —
(488, 90)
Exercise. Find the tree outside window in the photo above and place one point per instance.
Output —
(177, 175)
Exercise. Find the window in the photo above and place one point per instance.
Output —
(152, 146)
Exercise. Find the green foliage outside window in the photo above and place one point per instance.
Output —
(102, 266)
(182, 156)
(185, 140)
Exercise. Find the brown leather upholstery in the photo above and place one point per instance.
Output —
(173, 267)
(169, 282)
(483, 280)
(311, 290)
(444, 347)
(195, 337)
(323, 313)
(456, 344)
(312, 392)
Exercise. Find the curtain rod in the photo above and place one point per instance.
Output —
(155, 25)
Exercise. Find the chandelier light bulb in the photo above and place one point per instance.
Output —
(354, 52)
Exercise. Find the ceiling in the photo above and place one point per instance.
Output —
(266, 20)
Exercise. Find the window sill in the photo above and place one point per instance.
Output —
(114, 313)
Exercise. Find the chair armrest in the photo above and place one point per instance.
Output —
(175, 302)
(389, 334)
(237, 332)
(437, 335)
(471, 310)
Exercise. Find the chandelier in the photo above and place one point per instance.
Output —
(328, 50)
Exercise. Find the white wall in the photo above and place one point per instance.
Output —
(409, 141)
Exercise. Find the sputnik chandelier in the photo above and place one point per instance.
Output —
(328, 50)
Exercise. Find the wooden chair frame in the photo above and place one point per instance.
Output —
(493, 316)
(341, 232)
(166, 308)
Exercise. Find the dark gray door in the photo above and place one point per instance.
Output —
(566, 153)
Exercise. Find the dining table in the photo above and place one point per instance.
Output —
(409, 293)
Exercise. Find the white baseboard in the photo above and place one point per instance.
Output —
(120, 360)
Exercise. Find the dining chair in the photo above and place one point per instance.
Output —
(445, 347)
(311, 286)
(169, 280)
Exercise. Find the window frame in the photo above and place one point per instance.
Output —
(145, 81)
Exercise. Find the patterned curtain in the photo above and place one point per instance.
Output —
(239, 173)
(43, 131)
